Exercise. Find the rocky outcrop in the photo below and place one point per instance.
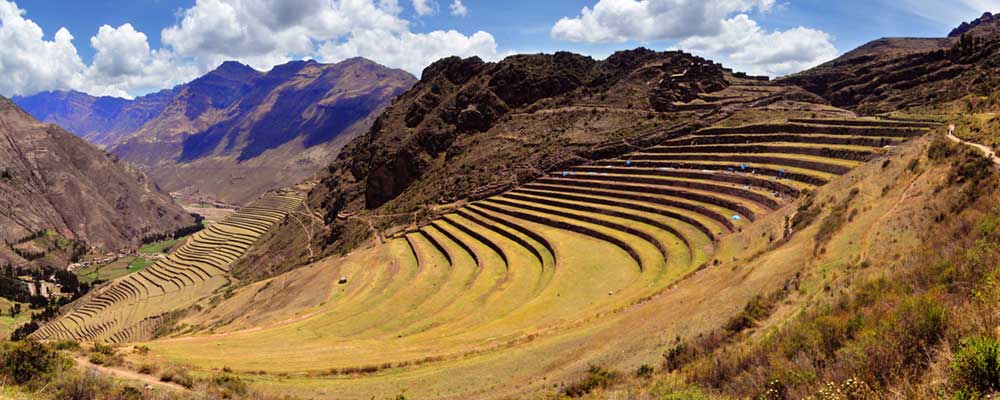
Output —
(685, 86)
(988, 24)
(903, 73)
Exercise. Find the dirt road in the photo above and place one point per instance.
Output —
(85, 364)
(985, 149)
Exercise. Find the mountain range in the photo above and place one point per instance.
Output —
(235, 132)
(51, 180)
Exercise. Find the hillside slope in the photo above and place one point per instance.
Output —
(470, 129)
(53, 180)
(606, 264)
(922, 74)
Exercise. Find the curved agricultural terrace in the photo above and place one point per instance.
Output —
(132, 307)
(509, 288)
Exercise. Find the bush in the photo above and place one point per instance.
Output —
(98, 359)
(230, 386)
(83, 386)
(69, 345)
(177, 376)
(130, 393)
(756, 309)
(976, 366)
(147, 369)
(30, 360)
(104, 349)
(644, 371)
(597, 377)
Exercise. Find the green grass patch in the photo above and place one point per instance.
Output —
(162, 246)
(113, 270)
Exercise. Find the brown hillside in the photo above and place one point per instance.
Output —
(907, 73)
(470, 129)
(52, 180)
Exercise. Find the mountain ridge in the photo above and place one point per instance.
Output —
(53, 180)
(236, 132)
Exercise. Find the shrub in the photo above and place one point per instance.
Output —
(69, 345)
(147, 369)
(677, 356)
(177, 376)
(130, 393)
(104, 349)
(976, 366)
(774, 390)
(98, 358)
(83, 386)
(941, 149)
(756, 309)
(30, 360)
(230, 386)
(644, 371)
(597, 377)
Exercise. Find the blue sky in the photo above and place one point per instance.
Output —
(128, 48)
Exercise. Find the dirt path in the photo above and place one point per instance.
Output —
(985, 149)
(85, 364)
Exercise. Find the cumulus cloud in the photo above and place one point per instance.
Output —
(424, 7)
(718, 29)
(28, 63)
(744, 45)
(647, 20)
(120, 51)
(411, 51)
(261, 33)
(458, 9)
(270, 32)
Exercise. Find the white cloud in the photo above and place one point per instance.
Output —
(120, 51)
(459, 9)
(647, 20)
(411, 51)
(743, 45)
(717, 29)
(269, 32)
(424, 7)
(261, 33)
(28, 63)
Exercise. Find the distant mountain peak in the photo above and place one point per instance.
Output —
(988, 22)
(234, 70)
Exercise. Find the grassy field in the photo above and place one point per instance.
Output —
(128, 265)
(8, 323)
(524, 291)
(113, 270)
(163, 247)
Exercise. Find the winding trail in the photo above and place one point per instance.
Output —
(985, 149)
(85, 364)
